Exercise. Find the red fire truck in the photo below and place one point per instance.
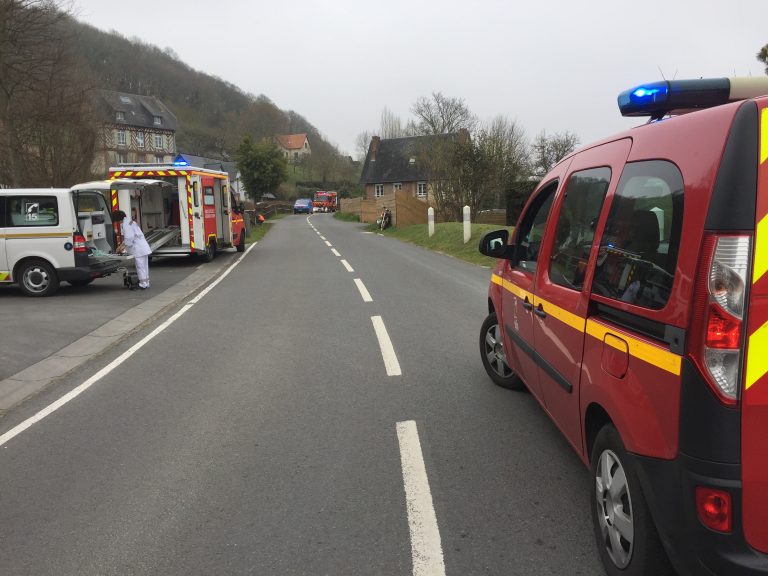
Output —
(325, 201)
(182, 209)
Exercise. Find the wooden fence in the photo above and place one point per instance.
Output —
(406, 210)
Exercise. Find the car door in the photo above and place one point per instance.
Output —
(560, 301)
(518, 277)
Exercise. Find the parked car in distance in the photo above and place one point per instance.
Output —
(49, 235)
(303, 206)
(631, 300)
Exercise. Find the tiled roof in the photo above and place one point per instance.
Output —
(397, 159)
(291, 141)
(137, 110)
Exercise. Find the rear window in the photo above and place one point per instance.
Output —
(25, 211)
(638, 251)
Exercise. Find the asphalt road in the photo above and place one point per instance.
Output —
(268, 428)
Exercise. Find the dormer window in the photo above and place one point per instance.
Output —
(120, 116)
(125, 100)
(158, 121)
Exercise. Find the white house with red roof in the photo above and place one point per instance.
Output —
(294, 146)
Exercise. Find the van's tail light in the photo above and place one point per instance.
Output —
(714, 508)
(728, 259)
(78, 240)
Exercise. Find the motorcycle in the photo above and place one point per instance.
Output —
(385, 220)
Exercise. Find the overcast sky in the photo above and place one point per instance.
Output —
(551, 65)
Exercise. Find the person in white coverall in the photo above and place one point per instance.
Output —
(135, 244)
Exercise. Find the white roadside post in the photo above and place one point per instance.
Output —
(431, 221)
(467, 226)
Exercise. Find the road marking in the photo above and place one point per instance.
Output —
(328, 244)
(363, 290)
(335, 252)
(347, 266)
(387, 350)
(75, 392)
(426, 547)
(322, 237)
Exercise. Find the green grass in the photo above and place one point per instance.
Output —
(259, 231)
(448, 239)
(346, 217)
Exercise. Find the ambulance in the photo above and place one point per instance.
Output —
(631, 301)
(182, 209)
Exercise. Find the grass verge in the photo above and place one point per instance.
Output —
(448, 239)
(346, 217)
(259, 231)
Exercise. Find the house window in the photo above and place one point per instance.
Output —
(397, 186)
(159, 158)
(140, 139)
(120, 116)
(421, 190)
(158, 121)
(121, 137)
(125, 100)
(379, 190)
(306, 144)
(122, 158)
(158, 141)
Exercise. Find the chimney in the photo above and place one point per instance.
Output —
(373, 149)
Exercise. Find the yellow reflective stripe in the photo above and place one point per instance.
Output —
(4, 276)
(511, 287)
(764, 135)
(757, 359)
(569, 318)
(496, 279)
(761, 250)
(650, 353)
(35, 235)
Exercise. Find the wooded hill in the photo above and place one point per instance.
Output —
(213, 114)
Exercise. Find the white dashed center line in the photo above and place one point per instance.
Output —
(335, 252)
(328, 243)
(347, 266)
(387, 350)
(426, 547)
(363, 290)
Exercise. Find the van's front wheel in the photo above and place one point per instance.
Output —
(493, 355)
(37, 278)
(627, 540)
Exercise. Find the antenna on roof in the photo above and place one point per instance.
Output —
(661, 72)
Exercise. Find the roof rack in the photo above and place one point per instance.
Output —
(659, 99)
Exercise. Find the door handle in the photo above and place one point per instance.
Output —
(540, 311)
(527, 304)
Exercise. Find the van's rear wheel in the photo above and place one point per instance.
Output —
(37, 278)
(493, 356)
(210, 251)
(627, 540)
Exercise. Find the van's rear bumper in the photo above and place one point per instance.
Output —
(669, 488)
(97, 269)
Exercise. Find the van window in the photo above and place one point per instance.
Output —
(531, 230)
(2, 212)
(32, 211)
(638, 251)
(208, 199)
(576, 226)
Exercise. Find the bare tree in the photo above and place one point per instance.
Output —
(362, 142)
(45, 138)
(391, 126)
(442, 115)
(548, 151)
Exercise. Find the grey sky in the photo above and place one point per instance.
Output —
(550, 65)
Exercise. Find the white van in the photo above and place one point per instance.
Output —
(49, 235)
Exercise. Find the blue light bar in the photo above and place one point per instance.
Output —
(180, 161)
(658, 99)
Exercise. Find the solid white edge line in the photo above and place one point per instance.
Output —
(335, 252)
(75, 392)
(363, 290)
(426, 546)
(347, 266)
(387, 350)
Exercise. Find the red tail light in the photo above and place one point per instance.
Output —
(720, 305)
(79, 242)
(714, 508)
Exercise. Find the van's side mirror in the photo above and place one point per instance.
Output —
(494, 244)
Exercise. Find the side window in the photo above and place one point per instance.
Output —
(531, 229)
(32, 211)
(195, 194)
(576, 226)
(2, 212)
(638, 251)
(208, 199)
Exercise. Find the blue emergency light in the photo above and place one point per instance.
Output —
(658, 99)
(180, 161)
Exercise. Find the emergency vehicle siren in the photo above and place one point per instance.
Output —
(659, 99)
